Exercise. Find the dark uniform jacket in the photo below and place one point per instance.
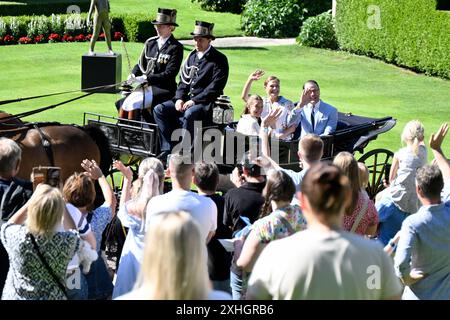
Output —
(167, 62)
(207, 76)
(14, 196)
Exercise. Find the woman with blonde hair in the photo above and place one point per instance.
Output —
(174, 265)
(400, 199)
(360, 215)
(132, 215)
(273, 101)
(38, 248)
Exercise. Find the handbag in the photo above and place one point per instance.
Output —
(47, 266)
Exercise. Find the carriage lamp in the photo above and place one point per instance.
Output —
(223, 112)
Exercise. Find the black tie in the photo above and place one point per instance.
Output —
(312, 119)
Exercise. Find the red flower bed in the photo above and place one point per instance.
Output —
(118, 36)
(54, 37)
(67, 38)
(39, 39)
(80, 38)
(8, 39)
(25, 40)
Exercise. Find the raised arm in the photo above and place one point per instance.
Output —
(266, 161)
(436, 140)
(96, 173)
(127, 180)
(252, 77)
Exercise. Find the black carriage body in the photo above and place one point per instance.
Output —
(140, 139)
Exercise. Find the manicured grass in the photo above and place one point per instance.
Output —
(226, 24)
(350, 83)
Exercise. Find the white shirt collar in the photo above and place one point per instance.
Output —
(162, 41)
(201, 54)
(315, 106)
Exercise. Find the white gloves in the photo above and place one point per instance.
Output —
(133, 79)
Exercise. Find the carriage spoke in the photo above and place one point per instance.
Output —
(378, 162)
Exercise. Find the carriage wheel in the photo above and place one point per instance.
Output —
(378, 161)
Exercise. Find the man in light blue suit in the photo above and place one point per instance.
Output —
(312, 115)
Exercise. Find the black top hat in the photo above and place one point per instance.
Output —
(203, 29)
(166, 16)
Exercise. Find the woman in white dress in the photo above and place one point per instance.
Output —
(132, 208)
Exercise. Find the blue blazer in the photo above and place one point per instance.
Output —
(326, 118)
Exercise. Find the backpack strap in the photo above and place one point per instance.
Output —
(286, 223)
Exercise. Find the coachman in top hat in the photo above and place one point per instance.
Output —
(204, 75)
(156, 69)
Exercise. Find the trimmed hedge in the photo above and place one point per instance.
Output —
(136, 28)
(41, 7)
(409, 33)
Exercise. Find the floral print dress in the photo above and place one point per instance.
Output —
(28, 279)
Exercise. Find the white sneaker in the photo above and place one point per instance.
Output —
(91, 53)
(110, 53)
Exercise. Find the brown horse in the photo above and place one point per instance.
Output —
(68, 145)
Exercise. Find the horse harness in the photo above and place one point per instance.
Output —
(45, 140)
(46, 144)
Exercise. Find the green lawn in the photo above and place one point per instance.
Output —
(351, 83)
(226, 24)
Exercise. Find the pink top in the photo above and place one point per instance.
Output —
(370, 218)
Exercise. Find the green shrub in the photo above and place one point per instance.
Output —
(38, 7)
(233, 6)
(138, 28)
(3, 28)
(38, 26)
(272, 18)
(56, 24)
(318, 32)
(74, 24)
(279, 18)
(409, 33)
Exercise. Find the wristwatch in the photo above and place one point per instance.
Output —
(392, 243)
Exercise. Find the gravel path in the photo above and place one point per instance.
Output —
(245, 42)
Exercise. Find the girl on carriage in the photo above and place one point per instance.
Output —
(399, 200)
(250, 121)
(132, 209)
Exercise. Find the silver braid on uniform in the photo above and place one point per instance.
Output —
(188, 72)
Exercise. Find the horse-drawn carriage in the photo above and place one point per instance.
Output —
(132, 141)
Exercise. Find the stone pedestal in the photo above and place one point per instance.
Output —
(101, 70)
